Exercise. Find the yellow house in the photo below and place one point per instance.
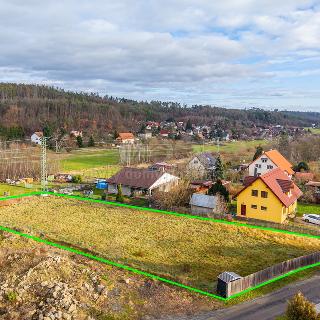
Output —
(270, 197)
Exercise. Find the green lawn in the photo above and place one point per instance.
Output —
(314, 130)
(230, 147)
(308, 208)
(15, 190)
(89, 158)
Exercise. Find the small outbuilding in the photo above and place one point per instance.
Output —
(202, 204)
(224, 280)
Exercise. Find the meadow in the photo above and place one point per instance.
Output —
(308, 208)
(190, 251)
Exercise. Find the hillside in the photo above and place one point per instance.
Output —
(27, 108)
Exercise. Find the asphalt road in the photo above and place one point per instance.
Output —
(267, 307)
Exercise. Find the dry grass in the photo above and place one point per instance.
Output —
(187, 250)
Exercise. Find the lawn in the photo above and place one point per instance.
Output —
(247, 148)
(190, 251)
(308, 208)
(314, 130)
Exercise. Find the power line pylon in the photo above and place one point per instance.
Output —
(44, 172)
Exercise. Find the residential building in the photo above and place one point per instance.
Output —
(268, 161)
(201, 166)
(76, 133)
(125, 138)
(146, 135)
(202, 204)
(162, 166)
(314, 186)
(304, 176)
(136, 181)
(36, 137)
(271, 197)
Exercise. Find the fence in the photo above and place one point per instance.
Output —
(276, 270)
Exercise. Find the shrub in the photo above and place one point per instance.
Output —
(77, 179)
(11, 296)
(299, 308)
(119, 197)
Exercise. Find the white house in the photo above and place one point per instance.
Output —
(141, 181)
(201, 166)
(36, 137)
(268, 161)
(202, 204)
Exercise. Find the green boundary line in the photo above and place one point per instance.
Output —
(150, 275)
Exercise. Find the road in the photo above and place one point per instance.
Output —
(267, 307)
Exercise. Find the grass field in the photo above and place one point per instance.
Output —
(314, 130)
(190, 251)
(245, 148)
(308, 208)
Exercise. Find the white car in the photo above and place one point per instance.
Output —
(312, 218)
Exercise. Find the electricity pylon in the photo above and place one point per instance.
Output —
(44, 172)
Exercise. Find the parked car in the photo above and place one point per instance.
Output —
(312, 218)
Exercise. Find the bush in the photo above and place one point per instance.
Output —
(77, 179)
(299, 308)
(11, 296)
(119, 197)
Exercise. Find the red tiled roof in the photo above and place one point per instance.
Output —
(125, 135)
(135, 177)
(306, 176)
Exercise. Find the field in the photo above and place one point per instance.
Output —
(308, 208)
(190, 251)
(314, 130)
(243, 149)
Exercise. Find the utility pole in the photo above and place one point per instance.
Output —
(44, 173)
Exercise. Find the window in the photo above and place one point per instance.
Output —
(254, 193)
(269, 166)
(258, 165)
(264, 194)
(254, 206)
(264, 160)
(263, 208)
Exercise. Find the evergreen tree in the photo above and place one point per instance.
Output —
(115, 134)
(258, 153)
(299, 308)
(301, 166)
(189, 125)
(79, 142)
(219, 188)
(218, 173)
(119, 197)
(91, 142)
(47, 130)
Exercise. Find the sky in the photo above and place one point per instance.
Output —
(232, 53)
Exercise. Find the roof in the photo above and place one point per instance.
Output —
(135, 177)
(228, 276)
(39, 133)
(249, 180)
(125, 135)
(206, 159)
(306, 176)
(313, 184)
(279, 160)
(203, 200)
(279, 183)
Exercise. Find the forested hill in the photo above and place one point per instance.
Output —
(26, 108)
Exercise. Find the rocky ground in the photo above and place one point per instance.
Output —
(45, 283)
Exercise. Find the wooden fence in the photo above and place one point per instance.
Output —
(269, 273)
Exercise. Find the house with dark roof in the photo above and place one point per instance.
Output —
(136, 181)
(202, 165)
(271, 197)
(268, 161)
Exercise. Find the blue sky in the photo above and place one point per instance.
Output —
(233, 53)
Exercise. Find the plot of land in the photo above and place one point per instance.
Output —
(190, 251)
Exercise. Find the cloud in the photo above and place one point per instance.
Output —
(162, 48)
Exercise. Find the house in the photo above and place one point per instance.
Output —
(201, 186)
(146, 135)
(36, 137)
(304, 176)
(314, 186)
(125, 138)
(63, 177)
(75, 133)
(271, 197)
(141, 181)
(202, 165)
(202, 204)
(164, 133)
(268, 161)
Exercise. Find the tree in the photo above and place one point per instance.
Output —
(301, 166)
(91, 142)
(189, 125)
(119, 197)
(47, 130)
(115, 134)
(299, 308)
(218, 172)
(221, 206)
(79, 142)
(258, 153)
(219, 188)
